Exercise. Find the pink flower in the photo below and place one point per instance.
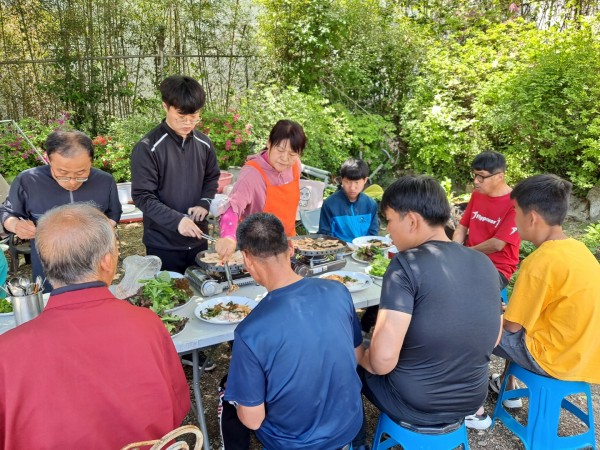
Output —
(236, 117)
(228, 144)
(238, 140)
(513, 8)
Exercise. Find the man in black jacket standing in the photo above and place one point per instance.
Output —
(175, 175)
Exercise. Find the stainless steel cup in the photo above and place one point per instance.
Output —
(27, 307)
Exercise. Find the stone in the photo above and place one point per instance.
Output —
(578, 209)
(593, 197)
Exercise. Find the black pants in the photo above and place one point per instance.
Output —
(176, 260)
(234, 433)
(369, 318)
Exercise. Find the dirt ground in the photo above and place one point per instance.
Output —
(498, 438)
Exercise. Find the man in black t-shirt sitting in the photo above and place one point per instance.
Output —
(439, 315)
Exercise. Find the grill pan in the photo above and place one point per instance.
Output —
(319, 252)
(214, 267)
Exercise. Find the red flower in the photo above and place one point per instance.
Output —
(228, 144)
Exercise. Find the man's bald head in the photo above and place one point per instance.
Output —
(72, 240)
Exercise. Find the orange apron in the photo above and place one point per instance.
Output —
(282, 201)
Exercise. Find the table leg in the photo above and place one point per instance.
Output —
(198, 398)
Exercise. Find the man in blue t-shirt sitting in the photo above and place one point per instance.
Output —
(439, 316)
(349, 213)
(293, 369)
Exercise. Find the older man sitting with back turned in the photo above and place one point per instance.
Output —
(91, 371)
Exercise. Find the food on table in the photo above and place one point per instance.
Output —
(174, 324)
(309, 244)
(215, 259)
(233, 288)
(379, 265)
(226, 312)
(368, 252)
(5, 306)
(377, 243)
(162, 293)
(345, 280)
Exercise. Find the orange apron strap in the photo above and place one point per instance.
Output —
(260, 170)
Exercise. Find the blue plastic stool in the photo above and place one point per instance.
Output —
(504, 296)
(410, 440)
(546, 399)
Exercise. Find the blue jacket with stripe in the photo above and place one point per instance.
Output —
(347, 220)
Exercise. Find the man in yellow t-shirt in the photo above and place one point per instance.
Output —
(553, 317)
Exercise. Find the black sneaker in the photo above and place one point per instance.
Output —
(186, 360)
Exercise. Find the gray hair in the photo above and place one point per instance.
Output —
(71, 241)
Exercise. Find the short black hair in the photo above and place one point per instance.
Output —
(288, 130)
(546, 194)
(418, 193)
(68, 143)
(354, 169)
(493, 162)
(184, 93)
(262, 235)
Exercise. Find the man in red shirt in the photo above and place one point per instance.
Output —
(488, 224)
(91, 371)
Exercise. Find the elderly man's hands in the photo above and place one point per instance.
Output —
(24, 229)
(225, 248)
(197, 213)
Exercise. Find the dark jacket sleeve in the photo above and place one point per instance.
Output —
(211, 178)
(374, 227)
(15, 203)
(114, 204)
(144, 188)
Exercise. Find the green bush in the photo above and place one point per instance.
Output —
(545, 113)
(333, 132)
(16, 154)
(113, 150)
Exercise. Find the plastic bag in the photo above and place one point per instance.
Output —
(136, 268)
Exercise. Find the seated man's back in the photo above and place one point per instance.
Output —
(442, 372)
(91, 371)
(556, 299)
(295, 353)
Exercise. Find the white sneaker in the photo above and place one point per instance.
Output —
(495, 385)
(478, 422)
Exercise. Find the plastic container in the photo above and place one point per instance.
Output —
(124, 191)
(224, 180)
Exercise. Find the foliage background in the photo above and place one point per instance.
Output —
(431, 82)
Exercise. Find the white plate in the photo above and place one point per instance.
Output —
(362, 281)
(223, 300)
(364, 240)
(128, 208)
(357, 259)
(368, 271)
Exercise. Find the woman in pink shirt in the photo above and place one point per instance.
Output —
(268, 182)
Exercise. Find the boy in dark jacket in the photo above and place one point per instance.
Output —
(174, 174)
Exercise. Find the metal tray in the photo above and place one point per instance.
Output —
(235, 268)
(320, 252)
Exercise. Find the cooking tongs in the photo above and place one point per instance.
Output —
(232, 287)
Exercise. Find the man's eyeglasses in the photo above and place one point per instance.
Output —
(187, 120)
(67, 179)
(482, 178)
